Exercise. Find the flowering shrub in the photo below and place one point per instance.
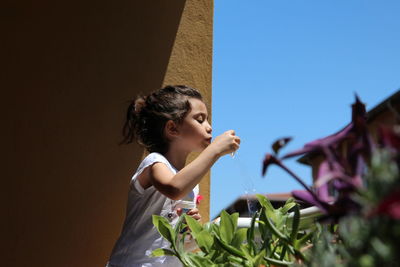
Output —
(358, 190)
(345, 154)
(371, 236)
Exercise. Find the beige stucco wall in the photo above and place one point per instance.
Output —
(68, 68)
(191, 63)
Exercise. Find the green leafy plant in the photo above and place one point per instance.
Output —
(274, 238)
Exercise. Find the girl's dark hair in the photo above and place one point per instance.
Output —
(147, 115)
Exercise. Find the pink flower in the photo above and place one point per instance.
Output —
(198, 199)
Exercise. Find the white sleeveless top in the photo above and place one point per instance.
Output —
(139, 237)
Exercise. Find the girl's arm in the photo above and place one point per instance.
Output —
(179, 185)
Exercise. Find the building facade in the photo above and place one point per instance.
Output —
(69, 68)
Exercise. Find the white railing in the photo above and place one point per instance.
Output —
(307, 215)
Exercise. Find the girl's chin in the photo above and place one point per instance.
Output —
(206, 144)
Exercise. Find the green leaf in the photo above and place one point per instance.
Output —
(200, 261)
(205, 241)
(227, 227)
(288, 205)
(275, 230)
(194, 225)
(307, 222)
(232, 250)
(267, 205)
(221, 259)
(239, 237)
(264, 201)
(186, 259)
(218, 255)
(180, 225)
(295, 223)
(259, 258)
(300, 242)
(278, 262)
(164, 228)
(283, 253)
(280, 219)
(162, 252)
(234, 219)
(250, 235)
(215, 228)
(246, 250)
(207, 226)
(213, 254)
(235, 259)
(180, 248)
(382, 249)
(264, 231)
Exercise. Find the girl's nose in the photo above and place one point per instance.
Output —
(208, 129)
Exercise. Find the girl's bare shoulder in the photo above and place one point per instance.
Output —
(156, 169)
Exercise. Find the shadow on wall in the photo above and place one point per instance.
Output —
(68, 70)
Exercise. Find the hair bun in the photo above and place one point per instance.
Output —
(139, 104)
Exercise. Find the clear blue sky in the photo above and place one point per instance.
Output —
(291, 68)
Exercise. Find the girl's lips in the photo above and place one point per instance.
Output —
(209, 139)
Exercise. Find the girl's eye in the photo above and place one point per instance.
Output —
(200, 119)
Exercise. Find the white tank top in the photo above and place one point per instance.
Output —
(139, 237)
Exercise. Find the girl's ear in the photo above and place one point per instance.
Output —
(171, 130)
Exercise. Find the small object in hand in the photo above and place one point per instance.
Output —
(186, 205)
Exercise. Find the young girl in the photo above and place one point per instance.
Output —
(170, 123)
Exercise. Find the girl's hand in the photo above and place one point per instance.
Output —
(226, 143)
(194, 213)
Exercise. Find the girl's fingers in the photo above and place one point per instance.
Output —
(237, 143)
(232, 132)
(179, 211)
(193, 211)
(196, 216)
(237, 139)
(235, 146)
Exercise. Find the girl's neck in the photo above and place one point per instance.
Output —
(177, 158)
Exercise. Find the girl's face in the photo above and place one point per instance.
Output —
(195, 129)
